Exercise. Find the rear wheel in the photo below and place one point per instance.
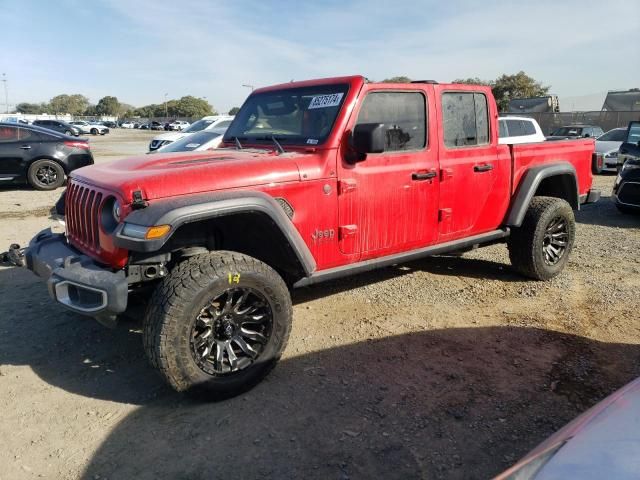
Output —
(68, 132)
(94, 131)
(45, 175)
(540, 247)
(218, 324)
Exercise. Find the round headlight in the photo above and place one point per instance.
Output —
(116, 211)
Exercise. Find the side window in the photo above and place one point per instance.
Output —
(502, 128)
(8, 134)
(403, 115)
(528, 128)
(224, 124)
(465, 119)
(515, 128)
(26, 134)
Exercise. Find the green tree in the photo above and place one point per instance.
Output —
(234, 110)
(520, 85)
(124, 109)
(108, 106)
(401, 79)
(75, 104)
(32, 108)
(473, 81)
(190, 106)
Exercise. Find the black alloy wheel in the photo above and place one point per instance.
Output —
(555, 241)
(231, 330)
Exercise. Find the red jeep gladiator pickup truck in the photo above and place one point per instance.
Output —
(316, 180)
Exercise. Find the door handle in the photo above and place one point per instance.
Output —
(423, 176)
(26, 147)
(483, 168)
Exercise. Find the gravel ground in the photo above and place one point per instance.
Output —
(450, 367)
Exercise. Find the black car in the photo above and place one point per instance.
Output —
(109, 124)
(156, 125)
(39, 156)
(576, 131)
(626, 190)
(58, 126)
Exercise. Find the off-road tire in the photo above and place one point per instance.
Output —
(35, 175)
(177, 301)
(526, 242)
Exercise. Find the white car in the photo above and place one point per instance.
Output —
(92, 128)
(196, 142)
(178, 125)
(205, 123)
(512, 130)
(128, 125)
(607, 145)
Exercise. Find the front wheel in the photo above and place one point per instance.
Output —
(218, 324)
(540, 247)
(94, 131)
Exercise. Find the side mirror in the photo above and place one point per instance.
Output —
(587, 135)
(368, 138)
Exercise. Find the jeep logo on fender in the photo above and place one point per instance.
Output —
(320, 235)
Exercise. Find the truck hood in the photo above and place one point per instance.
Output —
(172, 174)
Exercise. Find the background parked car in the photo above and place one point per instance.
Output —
(127, 124)
(39, 156)
(196, 142)
(178, 125)
(514, 130)
(575, 131)
(58, 126)
(607, 145)
(109, 124)
(89, 127)
(601, 443)
(205, 123)
(144, 126)
(156, 125)
(626, 189)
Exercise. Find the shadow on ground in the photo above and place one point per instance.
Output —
(605, 213)
(451, 403)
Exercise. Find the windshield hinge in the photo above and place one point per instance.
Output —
(137, 201)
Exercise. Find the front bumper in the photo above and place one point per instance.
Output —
(74, 280)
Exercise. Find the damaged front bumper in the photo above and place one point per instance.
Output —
(73, 279)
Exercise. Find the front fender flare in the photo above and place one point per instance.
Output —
(178, 211)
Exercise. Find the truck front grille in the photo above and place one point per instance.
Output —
(82, 214)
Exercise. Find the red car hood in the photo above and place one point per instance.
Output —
(166, 175)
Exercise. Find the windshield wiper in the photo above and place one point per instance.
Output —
(238, 144)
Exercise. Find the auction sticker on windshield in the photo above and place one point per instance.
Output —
(326, 101)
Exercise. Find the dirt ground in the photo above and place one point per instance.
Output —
(442, 368)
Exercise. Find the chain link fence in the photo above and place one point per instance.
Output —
(549, 121)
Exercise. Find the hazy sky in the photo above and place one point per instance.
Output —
(138, 50)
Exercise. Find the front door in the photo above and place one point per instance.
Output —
(389, 201)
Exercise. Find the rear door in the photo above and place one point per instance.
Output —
(474, 178)
(14, 152)
(389, 202)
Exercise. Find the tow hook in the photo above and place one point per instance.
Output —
(14, 256)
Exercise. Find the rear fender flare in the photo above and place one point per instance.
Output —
(529, 185)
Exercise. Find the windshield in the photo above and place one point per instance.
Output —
(615, 135)
(634, 133)
(295, 116)
(197, 126)
(191, 142)
(567, 132)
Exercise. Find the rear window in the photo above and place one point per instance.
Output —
(403, 115)
(520, 128)
(616, 135)
(465, 119)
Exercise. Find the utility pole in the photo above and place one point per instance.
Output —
(248, 86)
(6, 94)
(166, 115)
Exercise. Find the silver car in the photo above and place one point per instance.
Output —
(607, 145)
(602, 443)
